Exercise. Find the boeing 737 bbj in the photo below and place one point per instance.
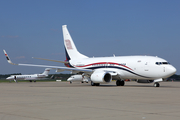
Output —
(145, 69)
(33, 77)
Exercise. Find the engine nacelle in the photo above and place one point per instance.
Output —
(145, 81)
(101, 77)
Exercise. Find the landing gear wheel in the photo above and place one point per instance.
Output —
(97, 84)
(156, 84)
(120, 83)
(92, 83)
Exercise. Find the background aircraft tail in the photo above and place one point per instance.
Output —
(46, 72)
(70, 48)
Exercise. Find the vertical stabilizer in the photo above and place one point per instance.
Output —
(70, 48)
(46, 72)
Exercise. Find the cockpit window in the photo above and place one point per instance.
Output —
(165, 63)
(162, 63)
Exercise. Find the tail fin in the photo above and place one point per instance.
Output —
(70, 48)
(46, 72)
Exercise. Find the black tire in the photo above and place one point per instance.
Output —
(122, 83)
(156, 84)
(118, 82)
(92, 83)
(97, 84)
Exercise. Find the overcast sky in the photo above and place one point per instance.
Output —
(33, 28)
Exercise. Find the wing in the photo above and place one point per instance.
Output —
(47, 66)
(51, 60)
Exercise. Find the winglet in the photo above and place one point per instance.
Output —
(8, 59)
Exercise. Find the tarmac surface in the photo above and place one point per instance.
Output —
(76, 101)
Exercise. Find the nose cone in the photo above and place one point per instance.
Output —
(69, 79)
(171, 70)
(8, 78)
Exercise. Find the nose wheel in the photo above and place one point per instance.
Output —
(156, 84)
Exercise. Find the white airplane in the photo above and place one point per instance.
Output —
(145, 69)
(78, 78)
(30, 77)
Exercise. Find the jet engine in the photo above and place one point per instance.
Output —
(101, 77)
(145, 81)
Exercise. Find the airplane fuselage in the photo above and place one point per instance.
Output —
(130, 67)
(26, 77)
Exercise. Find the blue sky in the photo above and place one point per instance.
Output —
(33, 28)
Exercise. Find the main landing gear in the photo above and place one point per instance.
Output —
(120, 83)
(94, 84)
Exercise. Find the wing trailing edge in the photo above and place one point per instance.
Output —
(51, 60)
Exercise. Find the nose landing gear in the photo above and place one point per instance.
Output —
(156, 84)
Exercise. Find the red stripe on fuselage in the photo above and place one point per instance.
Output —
(104, 63)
